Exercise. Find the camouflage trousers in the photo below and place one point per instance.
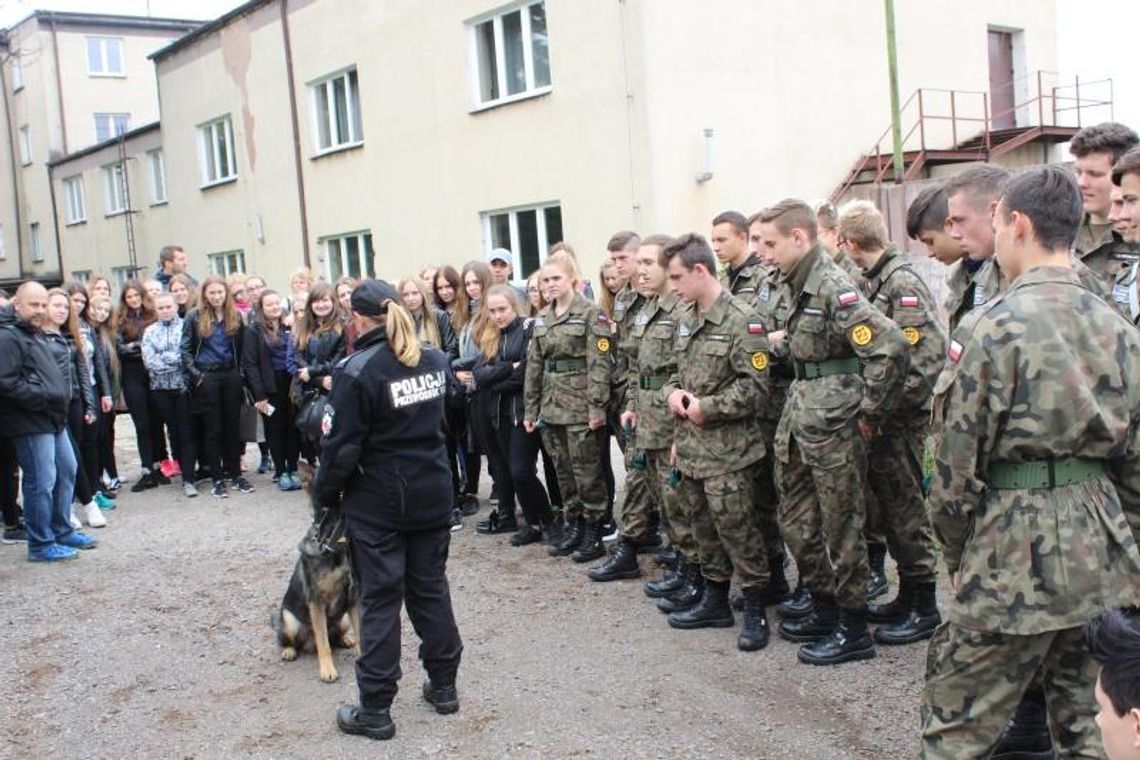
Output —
(577, 454)
(975, 679)
(822, 510)
(640, 503)
(725, 527)
(894, 472)
(677, 527)
(765, 501)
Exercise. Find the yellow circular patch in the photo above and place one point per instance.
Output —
(603, 345)
(861, 335)
(759, 361)
(912, 335)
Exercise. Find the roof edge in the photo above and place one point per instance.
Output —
(205, 29)
(68, 18)
(128, 135)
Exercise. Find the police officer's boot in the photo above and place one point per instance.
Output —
(672, 579)
(712, 611)
(686, 596)
(918, 622)
(373, 722)
(591, 546)
(851, 640)
(817, 624)
(894, 610)
(622, 563)
(1027, 735)
(571, 536)
(877, 584)
(798, 605)
(754, 633)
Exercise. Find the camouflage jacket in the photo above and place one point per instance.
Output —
(772, 306)
(627, 304)
(990, 282)
(1103, 250)
(830, 320)
(848, 265)
(655, 333)
(959, 293)
(722, 359)
(894, 288)
(1126, 292)
(743, 283)
(1048, 372)
(566, 395)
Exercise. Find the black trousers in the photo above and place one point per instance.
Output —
(105, 443)
(9, 483)
(136, 392)
(217, 405)
(519, 451)
(394, 568)
(173, 411)
(281, 434)
(75, 429)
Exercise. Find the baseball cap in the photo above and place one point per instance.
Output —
(369, 296)
(500, 254)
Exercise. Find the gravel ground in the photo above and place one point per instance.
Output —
(157, 644)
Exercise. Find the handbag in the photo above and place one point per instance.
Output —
(249, 419)
(310, 414)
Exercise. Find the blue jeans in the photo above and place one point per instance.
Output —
(48, 463)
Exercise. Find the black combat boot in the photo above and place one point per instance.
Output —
(777, 591)
(649, 543)
(688, 595)
(553, 531)
(571, 536)
(877, 584)
(665, 556)
(591, 546)
(373, 722)
(917, 623)
(894, 610)
(621, 564)
(1027, 735)
(712, 611)
(444, 698)
(754, 634)
(798, 605)
(849, 641)
(672, 578)
(500, 520)
(817, 624)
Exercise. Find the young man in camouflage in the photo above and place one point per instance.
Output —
(1095, 150)
(1126, 223)
(896, 451)
(715, 392)
(1041, 412)
(850, 363)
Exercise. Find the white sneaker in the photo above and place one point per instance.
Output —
(93, 516)
(190, 491)
(73, 518)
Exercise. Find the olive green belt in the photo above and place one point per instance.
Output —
(651, 382)
(572, 364)
(813, 370)
(1050, 473)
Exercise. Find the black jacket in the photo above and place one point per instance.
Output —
(130, 352)
(74, 367)
(448, 341)
(383, 451)
(34, 393)
(258, 365)
(498, 383)
(192, 343)
(319, 357)
(99, 362)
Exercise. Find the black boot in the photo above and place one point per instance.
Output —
(877, 584)
(894, 610)
(817, 624)
(712, 611)
(1027, 735)
(671, 579)
(591, 547)
(498, 521)
(621, 564)
(649, 543)
(777, 591)
(554, 531)
(144, 483)
(444, 698)
(798, 605)
(666, 556)
(375, 723)
(571, 537)
(688, 595)
(849, 641)
(918, 622)
(754, 634)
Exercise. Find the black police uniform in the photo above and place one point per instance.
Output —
(384, 457)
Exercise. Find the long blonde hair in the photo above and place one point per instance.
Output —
(490, 337)
(428, 330)
(70, 328)
(401, 329)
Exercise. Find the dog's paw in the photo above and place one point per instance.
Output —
(348, 641)
(288, 654)
(329, 674)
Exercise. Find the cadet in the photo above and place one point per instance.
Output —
(926, 223)
(715, 393)
(1095, 150)
(895, 454)
(970, 200)
(1126, 184)
(566, 391)
(833, 335)
(1041, 412)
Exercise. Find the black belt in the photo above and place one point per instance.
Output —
(215, 367)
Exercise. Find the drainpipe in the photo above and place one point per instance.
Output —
(55, 223)
(893, 73)
(297, 159)
(15, 176)
(58, 85)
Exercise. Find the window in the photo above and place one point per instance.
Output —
(25, 145)
(216, 151)
(350, 255)
(121, 275)
(105, 57)
(226, 262)
(511, 55)
(108, 125)
(76, 205)
(526, 232)
(156, 169)
(35, 242)
(114, 189)
(82, 276)
(17, 73)
(336, 112)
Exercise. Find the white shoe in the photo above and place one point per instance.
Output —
(93, 516)
(190, 491)
(73, 518)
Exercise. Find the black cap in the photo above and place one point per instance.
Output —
(369, 296)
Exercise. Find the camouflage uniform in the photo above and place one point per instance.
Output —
(1036, 537)
(895, 456)
(743, 282)
(820, 458)
(1103, 251)
(567, 379)
(722, 359)
(772, 306)
(1126, 293)
(959, 293)
(654, 331)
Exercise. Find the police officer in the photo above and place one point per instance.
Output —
(383, 459)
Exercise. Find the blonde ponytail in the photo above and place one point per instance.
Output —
(402, 335)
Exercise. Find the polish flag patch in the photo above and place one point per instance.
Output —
(955, 352)
(908, 302)
(755, 328)
(847, 298)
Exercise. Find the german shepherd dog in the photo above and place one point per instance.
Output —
(321, 599)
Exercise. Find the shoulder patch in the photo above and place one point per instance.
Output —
(764, 293)
(760, 361)
(602, 316)
(847, 297)
(539, 321)
(955, 352)
(755, 327)
(979, 296)
(912, 335)
(683, 330)
(862, 334)
(908, 302)
(327, 420)
(813, 311)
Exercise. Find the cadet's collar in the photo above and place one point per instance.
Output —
(880, 267)
(1047, 274)
(1089, 239)
(719, 308)
(667, 301)
(804, 275)
(752, 260)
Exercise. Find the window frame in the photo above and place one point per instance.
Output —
(17, 72)
(367, 263)
(541, 232)
(224, 257)
(109, 195)
(208, 143)
(36, 243)
(121, 276)
(157, 158)
(75, 194)
(104, 59)
(352, 108)
(496, 19)
(25, 140)
(113, 131)
(82, 276)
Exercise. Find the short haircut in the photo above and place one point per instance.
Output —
(1113, 638)
(562, 245)
(660, 241)
(692, 249)
(1129, 163)
(825, 215)
(862, 224)
(167, 253)
(981, 184)
(735, 218)
(790, 214)
(623, 241)
(1049, 196)
(927, 212)
(1110, 137)
(163, 295)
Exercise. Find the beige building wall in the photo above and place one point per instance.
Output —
(9, 220)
